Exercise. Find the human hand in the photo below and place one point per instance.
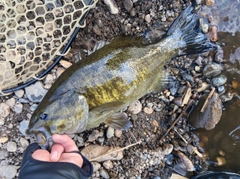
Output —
(60, 152)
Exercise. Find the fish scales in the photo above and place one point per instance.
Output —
(93, 90)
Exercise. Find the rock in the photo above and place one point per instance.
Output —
(35, 92)
(3, 154)
(135, 107)
(3, 139)
(18, 108)
(211, 70)
(33, 107)
(186, 162)
(8, 171)
(128, 5)
(210, 117)
(148, 110)
(221, 161)
(49, 79)
(11, 102)
(24, 142)
(108, 164)
(204, 86)
(23, 127)
(4, 110)
(167, 149)
(59, 71)
(19, 93)
(219, 80)
(148, 18)
(96, 30)
(118, 133)
(11, 147)
(96, 166)
(1, 121)
(65, 64)
(93, 136)
(110, 132)
(112, 6)
(104, 173)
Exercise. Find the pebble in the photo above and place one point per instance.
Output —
(96, 166)
(4, 110)
(11, 102)
(35, 92)
(23, 100)
(8, 171)
(112, 6)
(104, 173)
(24, 142)
(59, 71)
(148, 110)
(128, 5)
(219, 80)
(93, 136)
(23, 127)
(211, 70)
(3, 154)
(11, 147)
(33, 107)
(108, 164)
(18, 108)
(110, 132)
(3, 139)
(118, 133)
(1, 121)
(49, 79)
(167, 149)
(65, 64)
(148, 18)
(135, 107)
(19, 93)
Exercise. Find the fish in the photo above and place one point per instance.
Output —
(95, 89)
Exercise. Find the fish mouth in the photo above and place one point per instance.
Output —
(44, 140)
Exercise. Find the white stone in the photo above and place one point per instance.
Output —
(135, 107)
(4, 110)
(108, 164)
(118, 133)
(49, 79)
(112, 6)
(24, 142)
(8, 171)
(19, 93)
(11, 147)
(23, 127)
(18, 108)
(35, 92)
(96, 166)
(11, 102)
(110, 132)
(65, 63)
(148, 110)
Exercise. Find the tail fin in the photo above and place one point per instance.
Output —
(187, 23)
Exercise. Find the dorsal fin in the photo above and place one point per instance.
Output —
(128, 41)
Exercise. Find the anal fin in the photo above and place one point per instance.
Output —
(118, 121)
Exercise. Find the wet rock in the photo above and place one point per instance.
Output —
(19, 93)
(203, 87)
(135, 107)
(11, 147)
(187, 77)
(4, 110)
(3, 154)
(211, 70)
(226, 97)
(18, 108)
(221, 90)
(188, 165)
(210, 117)
(219, 80)
(221, 161)
(128, 5)
(110, 132)
(108, 164)
(104, 173)
(8, 171)
(23, 127)
(35, 92)
(112, 6)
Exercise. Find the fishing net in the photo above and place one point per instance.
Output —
(32, 34)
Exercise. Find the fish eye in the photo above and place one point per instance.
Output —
(43, 116)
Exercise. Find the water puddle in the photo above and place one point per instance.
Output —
(222, 144)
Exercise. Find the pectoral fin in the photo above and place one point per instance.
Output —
(118, 121)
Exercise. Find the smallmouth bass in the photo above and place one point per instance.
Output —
(93, 90)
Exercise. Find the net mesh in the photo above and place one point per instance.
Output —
(32, 34)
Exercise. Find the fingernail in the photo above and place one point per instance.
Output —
(54, 156)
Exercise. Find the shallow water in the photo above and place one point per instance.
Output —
(223, 142)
